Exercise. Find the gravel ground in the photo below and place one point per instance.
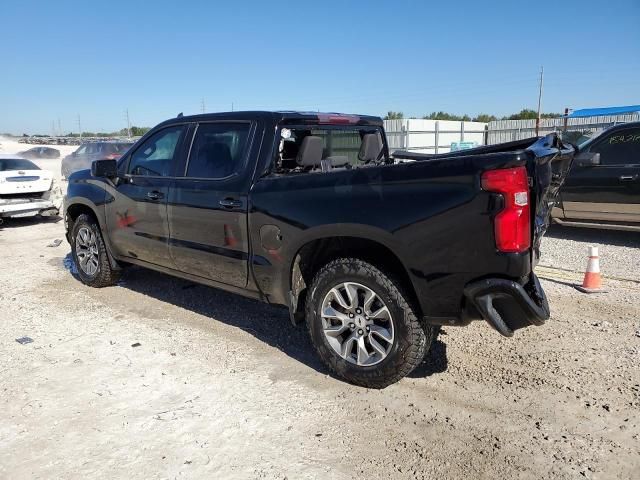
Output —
(567, 248)
(224, 387)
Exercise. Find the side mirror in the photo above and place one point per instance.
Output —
(587, 159)
(104, 168)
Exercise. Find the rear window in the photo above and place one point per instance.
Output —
(305, 149)
(9, 164)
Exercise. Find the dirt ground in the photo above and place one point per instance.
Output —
(224, 387)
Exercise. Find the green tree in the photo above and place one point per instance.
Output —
(394, 116)
(484, 117)
(524, 114)
(447, 116)
(529, 114)
(139, 131)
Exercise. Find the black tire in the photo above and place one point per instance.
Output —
(105, 275)
(412, 337)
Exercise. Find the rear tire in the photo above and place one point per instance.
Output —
(90, 255)
(354, 335)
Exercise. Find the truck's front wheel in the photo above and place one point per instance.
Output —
(90, 254)
(363, 326)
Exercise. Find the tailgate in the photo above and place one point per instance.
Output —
(549, 165)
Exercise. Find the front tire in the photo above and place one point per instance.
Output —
(90, 255)
(363, 326)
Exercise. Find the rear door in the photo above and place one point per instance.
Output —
(207, 208)
(609, 192)
(137, 213)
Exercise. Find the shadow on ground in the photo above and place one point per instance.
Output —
(269, 324)
(595, 235)
(26, 221)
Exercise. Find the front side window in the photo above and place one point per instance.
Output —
(155, 157)
(218, 150)
(620, 148)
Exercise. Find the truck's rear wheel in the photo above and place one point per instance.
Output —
(90, 254)
(362, 326)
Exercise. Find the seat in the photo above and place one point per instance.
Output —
(310, 153)
(370, 147)
(214, 160)
(338, 161)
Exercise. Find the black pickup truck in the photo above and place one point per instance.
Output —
(602, 190)
(309, 211)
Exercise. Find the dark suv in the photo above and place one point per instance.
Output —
(84, 156)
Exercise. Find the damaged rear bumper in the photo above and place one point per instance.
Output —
(24, 207)
(507, 305)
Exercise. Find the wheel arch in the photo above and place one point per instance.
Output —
(317, 252)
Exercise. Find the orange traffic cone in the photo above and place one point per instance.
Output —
(592, 282)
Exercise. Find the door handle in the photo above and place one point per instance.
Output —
(155, 195)
(230, 203)
(628, 178)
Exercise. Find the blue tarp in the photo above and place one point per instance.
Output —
(595, 112)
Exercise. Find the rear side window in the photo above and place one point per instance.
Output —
(92, 148)
(620, 148)
(155, 157)
(218, 150)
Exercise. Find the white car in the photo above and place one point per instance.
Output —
(24, 188)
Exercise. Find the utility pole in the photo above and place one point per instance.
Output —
(202, 105)
(128, 123)
(59, 127)
(80, 128)
(539, 101)
(232, 106)
(53, 127)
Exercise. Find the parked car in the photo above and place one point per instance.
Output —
(602, 189)
(24, 188)
(40, 152)
(88, 152)
(310, 212)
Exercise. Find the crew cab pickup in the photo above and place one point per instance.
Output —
(309, 211)
(602, 190)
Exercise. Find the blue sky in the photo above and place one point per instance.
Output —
(159, 58)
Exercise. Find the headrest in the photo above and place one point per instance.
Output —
(310, 152)
(214, 161)
(370, 148)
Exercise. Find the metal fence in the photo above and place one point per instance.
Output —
(501, 131)
(431, 136)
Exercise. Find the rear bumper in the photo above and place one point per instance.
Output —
(23, 207)
(506, 305)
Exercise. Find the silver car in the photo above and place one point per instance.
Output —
(84, 156)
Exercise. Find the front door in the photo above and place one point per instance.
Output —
(207, 206)
(609, 192)
(137, 213)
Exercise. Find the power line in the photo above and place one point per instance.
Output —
(539, 100)
(128, 123)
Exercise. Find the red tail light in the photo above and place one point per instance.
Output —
(113, 156)
(513, 222)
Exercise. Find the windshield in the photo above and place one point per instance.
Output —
(8, 164)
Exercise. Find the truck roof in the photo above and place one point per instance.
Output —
(285, 117)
